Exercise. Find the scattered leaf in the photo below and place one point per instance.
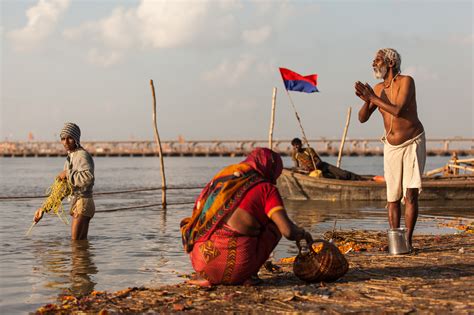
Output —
(178, 307)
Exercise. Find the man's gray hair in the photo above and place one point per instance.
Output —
(392, 55)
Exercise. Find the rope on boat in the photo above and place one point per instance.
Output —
(7, 198)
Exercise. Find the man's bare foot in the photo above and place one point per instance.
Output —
(412, 250)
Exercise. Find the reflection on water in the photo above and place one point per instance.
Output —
(67, 271)
(312, 212)
(82, 268)
(320, 215)
(52, 262)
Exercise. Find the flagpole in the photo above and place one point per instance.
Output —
(272, 120)
(302, 129)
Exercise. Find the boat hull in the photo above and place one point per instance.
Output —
(296, 186)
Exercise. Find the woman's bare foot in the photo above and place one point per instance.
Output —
(253, 281)
(199, 281)
(269, 266)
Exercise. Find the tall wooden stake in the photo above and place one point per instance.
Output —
(158, 144)
(272, 121)
(341, 147)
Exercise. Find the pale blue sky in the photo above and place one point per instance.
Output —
(214, 64)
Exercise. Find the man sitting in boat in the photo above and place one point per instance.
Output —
(307, 160)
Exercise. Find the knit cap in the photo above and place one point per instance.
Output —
(72, 130)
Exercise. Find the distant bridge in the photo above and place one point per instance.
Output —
(325, 147)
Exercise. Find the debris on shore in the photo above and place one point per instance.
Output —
(437, 277)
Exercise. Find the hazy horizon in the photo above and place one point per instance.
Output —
(214, 64)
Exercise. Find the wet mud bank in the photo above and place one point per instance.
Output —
(437, 277)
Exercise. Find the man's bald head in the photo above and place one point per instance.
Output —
(391, 55)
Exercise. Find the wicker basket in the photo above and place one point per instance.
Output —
(328, 265)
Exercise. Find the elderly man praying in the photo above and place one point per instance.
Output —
(404, 136)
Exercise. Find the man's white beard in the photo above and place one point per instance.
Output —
(380, 73)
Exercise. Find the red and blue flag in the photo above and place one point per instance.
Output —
(296, 82)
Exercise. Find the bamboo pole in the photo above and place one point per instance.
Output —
(158, 144)
(272, 120)
(341, 147)
(435, 171)
(459, 167)
(301, 127)
(466, 161)
(444, 168)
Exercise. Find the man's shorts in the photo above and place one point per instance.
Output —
(83, 206)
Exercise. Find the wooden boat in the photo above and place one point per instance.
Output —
(298, 186)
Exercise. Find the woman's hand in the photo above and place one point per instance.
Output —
(308, 238)
(38, 215)
(303, 234)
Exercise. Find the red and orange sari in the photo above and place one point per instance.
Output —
(219, 253)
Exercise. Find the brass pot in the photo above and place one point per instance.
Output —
(328, 265)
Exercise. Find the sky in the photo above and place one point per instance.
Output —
(215, 63)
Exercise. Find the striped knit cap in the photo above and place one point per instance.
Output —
(72, 130)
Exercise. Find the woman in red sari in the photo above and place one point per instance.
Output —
(237, 221)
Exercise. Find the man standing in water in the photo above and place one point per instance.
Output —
(404, 138)
(79, 172)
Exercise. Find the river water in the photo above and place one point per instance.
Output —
(142, 246)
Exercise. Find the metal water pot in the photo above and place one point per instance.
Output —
(397, 241)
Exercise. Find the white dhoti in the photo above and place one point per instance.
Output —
(403, 166)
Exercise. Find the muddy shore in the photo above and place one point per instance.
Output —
(437, 277)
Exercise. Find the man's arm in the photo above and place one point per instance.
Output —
(395, 106)
(317, 160)
(83, 173)
(366, 111)
(368, 108)
(295, 160)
